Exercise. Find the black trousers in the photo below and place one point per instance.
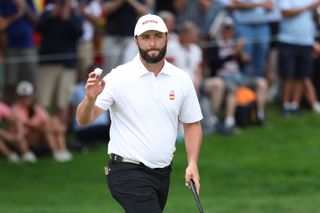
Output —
(137, 188)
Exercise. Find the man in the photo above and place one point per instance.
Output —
(296, 39)
(147, 98)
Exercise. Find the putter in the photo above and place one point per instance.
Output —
(196, 196)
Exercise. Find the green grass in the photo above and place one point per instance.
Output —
(274, 169)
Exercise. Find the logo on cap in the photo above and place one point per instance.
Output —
(148, 21)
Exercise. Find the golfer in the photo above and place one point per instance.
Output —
(147, 98)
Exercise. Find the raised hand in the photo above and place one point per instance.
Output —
(94, 86)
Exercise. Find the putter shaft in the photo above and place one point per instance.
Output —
(196, 196)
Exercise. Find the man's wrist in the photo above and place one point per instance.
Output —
(193, 163)
(90, 101)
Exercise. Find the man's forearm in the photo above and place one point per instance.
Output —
(244, 5)
(85, 111)
(193, 140)
(21, 10)
(297, 11)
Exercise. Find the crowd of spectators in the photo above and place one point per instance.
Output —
(268, 47)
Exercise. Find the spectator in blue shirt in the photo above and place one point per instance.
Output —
(296, 40)
(252, 18)
(18, 18)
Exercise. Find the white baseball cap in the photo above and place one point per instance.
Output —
(228, 22)
(150, 22)
(24, 88)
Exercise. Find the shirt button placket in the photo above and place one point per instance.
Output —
(156, 95)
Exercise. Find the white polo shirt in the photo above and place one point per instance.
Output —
(145, 111)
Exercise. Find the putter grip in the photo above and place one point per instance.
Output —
(196, 196)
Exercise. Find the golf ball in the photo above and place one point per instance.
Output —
(98, 71)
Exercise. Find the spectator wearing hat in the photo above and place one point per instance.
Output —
(225, 60)
(252, 18)
(38, 126)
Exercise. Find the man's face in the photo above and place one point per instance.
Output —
(152, 46)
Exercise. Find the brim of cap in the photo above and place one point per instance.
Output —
(140, 33)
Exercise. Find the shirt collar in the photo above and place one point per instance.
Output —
(143, 71)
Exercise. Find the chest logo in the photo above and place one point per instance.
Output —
(171, 95)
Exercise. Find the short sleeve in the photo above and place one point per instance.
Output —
(190, 110)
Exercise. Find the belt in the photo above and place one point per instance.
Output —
(118, 158)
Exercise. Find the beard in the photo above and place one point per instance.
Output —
(153, 59)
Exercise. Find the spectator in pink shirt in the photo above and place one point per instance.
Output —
(14, 135)
(38, 125)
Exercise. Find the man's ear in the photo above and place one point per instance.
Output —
(136, 39)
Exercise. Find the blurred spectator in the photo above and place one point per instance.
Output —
(96, 131)
(200, 12)
(252, 19)
(173, 39)
(271, 70)
(13, 134)
(60, 28)
(316, 73)
(164, 5)
(91, 11)
(296, 37)
(169, 19)
(187, 55)
(309, 85)
(220, 12)
(18, 18)
(225, 59)
(121, 16)
(38, 125)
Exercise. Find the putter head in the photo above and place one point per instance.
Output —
(196, 196)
